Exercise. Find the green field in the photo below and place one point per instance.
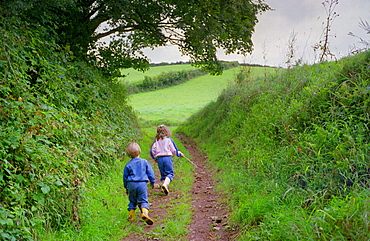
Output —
(175, 104)
(134, 76)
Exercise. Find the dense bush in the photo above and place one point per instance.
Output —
(294, 151)
(60, 121)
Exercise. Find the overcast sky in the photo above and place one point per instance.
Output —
(300, 18)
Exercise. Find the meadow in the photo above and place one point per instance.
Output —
(175, 104)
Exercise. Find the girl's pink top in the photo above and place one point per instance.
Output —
(164, 147)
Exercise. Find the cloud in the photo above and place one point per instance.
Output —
(303, 19)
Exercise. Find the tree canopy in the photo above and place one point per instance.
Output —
(197, 27)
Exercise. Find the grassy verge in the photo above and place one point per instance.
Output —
(103, 210)
(293, 152)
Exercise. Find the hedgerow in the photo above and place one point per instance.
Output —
(61, 122)
(164, 80)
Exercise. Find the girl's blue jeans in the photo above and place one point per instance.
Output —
(165, 166)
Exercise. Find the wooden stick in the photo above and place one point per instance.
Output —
(190, 162)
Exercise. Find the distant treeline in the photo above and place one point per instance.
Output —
(256, 65)
(234, 63)
(167, 79)
(166, 63)
(225, 63)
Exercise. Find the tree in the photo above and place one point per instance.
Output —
(197, 27)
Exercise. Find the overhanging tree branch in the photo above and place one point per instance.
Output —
(199, 27)
(119, 29)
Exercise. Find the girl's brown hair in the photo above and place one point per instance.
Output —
(162, 131)
(133, 150)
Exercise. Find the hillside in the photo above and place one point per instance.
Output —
(292, 152)
(175, 104)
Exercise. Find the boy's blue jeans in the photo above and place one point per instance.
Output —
(165, 166)
(137, 195)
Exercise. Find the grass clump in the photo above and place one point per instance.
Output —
(293, 151)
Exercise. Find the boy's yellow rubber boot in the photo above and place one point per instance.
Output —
(131, 216)
(146, 217)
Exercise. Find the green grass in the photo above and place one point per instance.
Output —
(175, 104)
(292, 152)
(134, 76)
(103, 210)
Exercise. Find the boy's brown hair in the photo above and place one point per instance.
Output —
(133, 150)
(162, 131)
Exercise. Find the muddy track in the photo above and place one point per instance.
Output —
(210, 215)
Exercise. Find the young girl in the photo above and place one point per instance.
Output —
(136, 174)
(162, 151)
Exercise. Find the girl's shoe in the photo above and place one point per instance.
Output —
(165, 185)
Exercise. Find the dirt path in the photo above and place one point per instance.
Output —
(210, 215)
(210, 218)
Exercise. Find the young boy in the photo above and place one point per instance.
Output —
(136, 174)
